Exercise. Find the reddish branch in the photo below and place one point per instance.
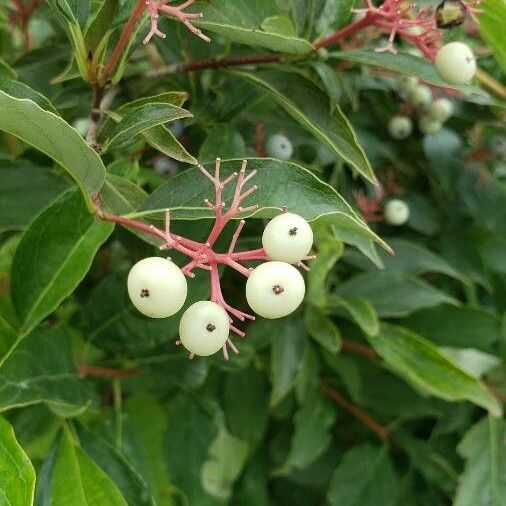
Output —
(22, 15)
(395, 17)
(359, 349)
(381, 431)
(106, 372)
(202, 255)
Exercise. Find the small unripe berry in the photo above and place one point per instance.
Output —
(275, 289)
(455, 63)
(450, 13)
(400, 127)
(441, 109)
(279, 146)
(407, 84)
(421, 96)
(204, 328)
(428, 125)
(157, 287)
(396, 212)
(165, 166)
(287, 238)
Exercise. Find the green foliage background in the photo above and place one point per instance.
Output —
(385, 388)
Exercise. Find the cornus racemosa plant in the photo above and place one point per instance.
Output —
(288, 239)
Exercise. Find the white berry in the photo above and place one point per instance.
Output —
(400, 127)
(441, 109)
(428, 125)
(287, 238)
(455, 63)
(396, 212)
(279, 146)
(204, 328)
(421, 96)
(275, 289)
(157, 287)
(165, 166)
(407, 84)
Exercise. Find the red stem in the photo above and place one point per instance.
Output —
(351, 29)
(122, 42)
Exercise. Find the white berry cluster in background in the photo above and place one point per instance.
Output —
(158, 287)
(430, 112)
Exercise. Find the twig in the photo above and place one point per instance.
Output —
(106, 372)
(381, 431)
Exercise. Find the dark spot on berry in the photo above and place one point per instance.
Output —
(278, 289)
(210, 327)
(469, 59)
(293, 231)
(144, 293)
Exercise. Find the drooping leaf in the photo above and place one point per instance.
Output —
(20, 90)
(50, 134)
(311, 107)
(287, 350)
(360, 310)
(364, 476)
(17, 475)
(426, 366)
(54, 256)
(78, 480)
(322, 329)
(133, 488)
(224, 463)
(483, 480)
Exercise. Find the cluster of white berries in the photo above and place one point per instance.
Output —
(157, 287)
(432, 113)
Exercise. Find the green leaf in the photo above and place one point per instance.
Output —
(41, 369)
(462, 327)
(144, 430)
(17, 476)
(141, 119)
(279, 183)
(393, 294)
(330, 250)
(20, 90)
(120, 195)
(322, 329)
(361, 311)
(100, 23)
(191, 430)
(409, 258)
(6, 70)
(288, 346)
(311, 107)
(484, 450)
(133, 488)
(242, 22)
(223, 141)
(312, 436)
(491, 27)
(426, 366)
(246, 404)
(77, 480)
(403, 63)
(364, 476)
(69, 19)
(50, 134)
(25, 191)
(224, 463)
(53, 257)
